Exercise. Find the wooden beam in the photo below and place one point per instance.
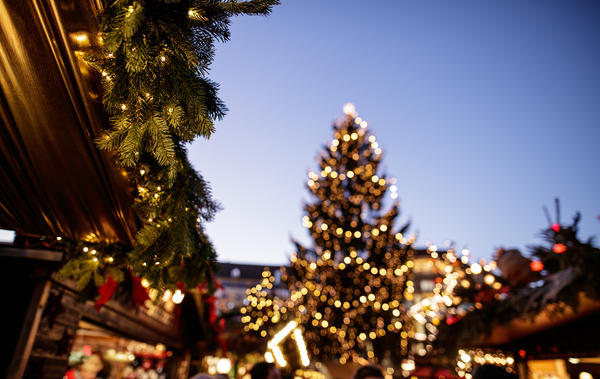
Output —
(17, 366)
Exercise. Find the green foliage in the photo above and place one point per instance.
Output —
(172, 245)
(154, 61)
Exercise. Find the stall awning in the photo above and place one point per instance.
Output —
(55, 182)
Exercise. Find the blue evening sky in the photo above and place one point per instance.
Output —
(485, 110)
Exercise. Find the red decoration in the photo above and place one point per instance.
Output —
(555, 227)
(218, 325)
(212, 309)
(140, 294)
(559, 248)
(536, 266)
(485, 296)
(106, 291)
(147, 364)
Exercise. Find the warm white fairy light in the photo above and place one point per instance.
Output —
(269, 357)
(466, 359)
(349, 109)
(178, 297)
(476, 268)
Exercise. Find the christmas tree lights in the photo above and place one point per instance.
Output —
(347, 291)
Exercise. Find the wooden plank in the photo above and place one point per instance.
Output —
(9, 251)
(17, 366)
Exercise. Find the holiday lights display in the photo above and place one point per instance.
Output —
(153, 59)
(459, 287)
(264, 309)
(347, 291)
(554, 281)
(467, 359)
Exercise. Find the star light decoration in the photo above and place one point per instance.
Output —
(274, 353)
(349, 292)
(468, 358)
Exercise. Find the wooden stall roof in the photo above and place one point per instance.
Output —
(55, 182)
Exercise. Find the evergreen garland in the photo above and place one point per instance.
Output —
(154, 62)
(569, 268)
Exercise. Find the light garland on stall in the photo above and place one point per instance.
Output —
(467, 359)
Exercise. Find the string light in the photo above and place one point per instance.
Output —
(178, 297)
(476, 268)
(466, 359)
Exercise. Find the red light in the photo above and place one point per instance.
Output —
(87, 350)
(555, 227)
(536, 266)
(559, 248)
(522, 353)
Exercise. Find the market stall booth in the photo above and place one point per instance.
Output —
(55, 182)
(556, 346)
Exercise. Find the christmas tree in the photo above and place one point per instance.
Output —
(264, 309)
(347, 290)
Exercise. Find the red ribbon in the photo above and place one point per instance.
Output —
(106, 291)
(140, 294)
(212, 309)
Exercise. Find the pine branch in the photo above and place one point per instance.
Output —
(154, 64)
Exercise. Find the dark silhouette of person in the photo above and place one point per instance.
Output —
(265, 370)
(492, 372)
(367, 372)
